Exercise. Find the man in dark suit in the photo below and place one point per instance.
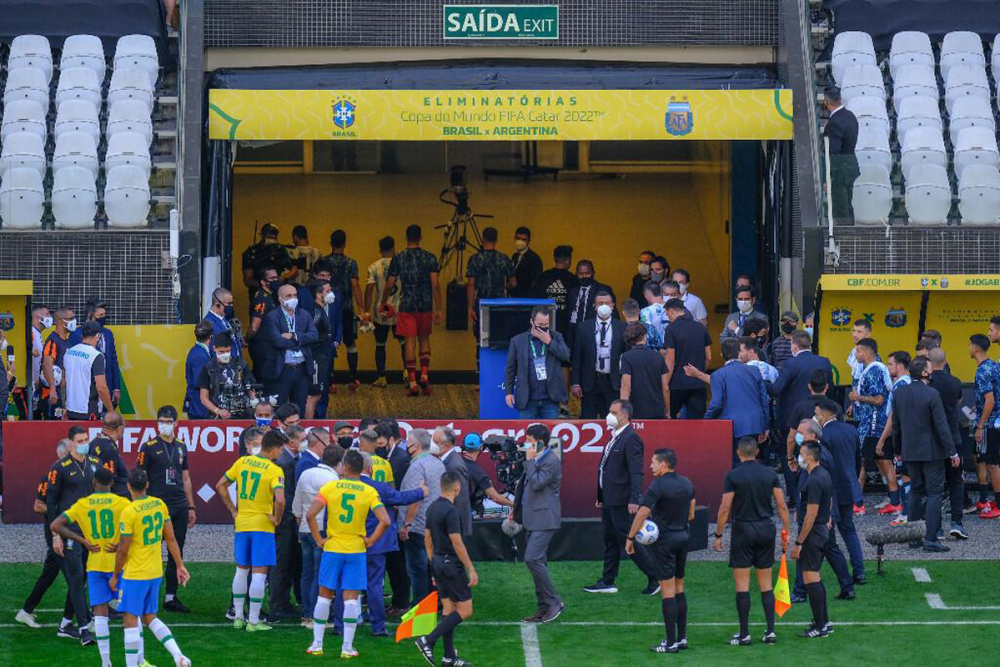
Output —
(792, 385)
(527, 264)
(739, 394)
(540, 512)
(451, 456)
(619, 492)
(842, 132)
(596, 373)
(534, 381)
(950, 389)
(287, 571)
(582, 298)
(290, 334)
(921, 433)
(395, 561)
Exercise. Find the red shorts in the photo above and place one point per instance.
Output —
(411, 325)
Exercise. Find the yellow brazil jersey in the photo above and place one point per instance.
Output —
(97, 516)
(347, 502)
(143, 521)
(381, 470)
(256, 481)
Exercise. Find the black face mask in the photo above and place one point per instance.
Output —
(787, 327)
(543, 329)
(586, 282)
(103, 321)
(229, 311)
(345, 441)
(273, 285)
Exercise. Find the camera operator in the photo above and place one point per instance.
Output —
(540, 511)
(480, 484)
(226, 382)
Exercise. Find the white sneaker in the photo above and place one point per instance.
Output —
(27, 619)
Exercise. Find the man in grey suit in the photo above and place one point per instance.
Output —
(451, 457)
(534, 381)
(540, 512)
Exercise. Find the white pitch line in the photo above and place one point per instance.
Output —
(706, 624)
(921, 575)
(529, 637)
(936, 602)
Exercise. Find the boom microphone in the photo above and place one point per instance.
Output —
(912, 532)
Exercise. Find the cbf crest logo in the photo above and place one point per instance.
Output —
(840, 317)
(895, 317)
(679, 121)
(344, 112)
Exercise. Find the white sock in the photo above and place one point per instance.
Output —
(240, 587)
(162, 632)
(168, 597)
(320, 616)
(142, 644)
(352, 612)
(64, 622)
(103, 636)
(258, 584)
(132, 638)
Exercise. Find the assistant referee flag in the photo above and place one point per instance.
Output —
(782, 601)
(420, 620)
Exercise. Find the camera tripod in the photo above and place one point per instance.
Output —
(456, 234)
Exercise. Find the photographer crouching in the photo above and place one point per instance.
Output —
(480, 485)
(226, 384)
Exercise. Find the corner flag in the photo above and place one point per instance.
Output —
(782, 601)
(422, 618)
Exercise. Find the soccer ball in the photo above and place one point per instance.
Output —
(648, 533)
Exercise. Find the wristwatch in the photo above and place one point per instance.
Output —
(800, 544)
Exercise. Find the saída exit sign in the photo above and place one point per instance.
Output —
(501, 21)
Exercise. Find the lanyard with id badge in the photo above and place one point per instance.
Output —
(541, 374)
(170, 475)
(294, 356)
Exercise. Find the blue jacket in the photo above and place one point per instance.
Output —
(390, 498)
(842, 440)
(197, 357)
(112, 372)
(739, 394)
(307, 460)
(792, 385)
(219, 326)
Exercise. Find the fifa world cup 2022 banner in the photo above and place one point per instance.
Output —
(703, 453)
(499, 115)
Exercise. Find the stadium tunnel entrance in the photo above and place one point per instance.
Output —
(612, 159)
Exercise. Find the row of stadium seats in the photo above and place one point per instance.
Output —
(85, 51)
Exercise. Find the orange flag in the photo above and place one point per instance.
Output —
(421, 619)
(782, 600)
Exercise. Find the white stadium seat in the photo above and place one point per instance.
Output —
(74, 198)
(83, 51)
(862, 81)
(78, 83)
(26, 83)
(139, 52)
(870, 111)
(917, 112)
(995, 65)
(851, 48)
(961, 48)
(928, 195)
(873, 148)
(975, 145)
(23, 116)
(910, 48)
(872, 196)
(964, 81)
(130, 84)
(126, 197)
(971, 111)
(130, 116)
(979, 195)
(922, 145)
(78, 116)
(22, 199)
(31, 51)
(23, 150)
(128, 148)
(76, 149)
(913, 80)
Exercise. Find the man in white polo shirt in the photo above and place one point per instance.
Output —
(87, 394)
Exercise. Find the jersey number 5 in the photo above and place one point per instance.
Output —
(154, 525)
(255, 479)
(345, 502)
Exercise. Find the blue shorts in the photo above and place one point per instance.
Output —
(255, 549)
(98, 588)
(140, 596)
(343, 572)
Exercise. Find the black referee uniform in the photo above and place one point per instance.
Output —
(51, 566)
(165, 463)
(109, 455)
(818, 491)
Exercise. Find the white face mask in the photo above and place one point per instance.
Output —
(290, 304)
(643, 269)
(47, 322)
(329, 298)
(254, 451)
(683, 287)
(224, 357)
(435, 450)
(71, 325)
(520, 245)
(611, 421)
(744, 306)
(165, 429)
(3, 345)
(802, 461)
(604, 311)
(303, 446)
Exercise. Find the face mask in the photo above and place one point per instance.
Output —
(586, 282)
(83, 449)
(787, 327)
(744, 306)
(520, 245)
(165, 429)
(3, 345)
(273, 285)
(809, 330)
(643, 269)
(228, 311)
(47, 322)
(103, 321)
(799, 439)
(71, 325)
(224, 357)
(802, 461)
(604, 311)
(656, 277)
(345, 441)
(435, 450)
(329, 298)
(255, 451)
(303, 446)
(611, 421)
(262, 422)
(291, 303)
(683, 288)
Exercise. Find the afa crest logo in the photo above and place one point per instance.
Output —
(6, 321)
(895, 318)
(840, 317)
(344, 112)
(679, 120)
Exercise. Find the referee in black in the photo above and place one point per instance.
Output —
(747, 491)
(812, 537)
(447, 554)
(165, 460)
(670, 501)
